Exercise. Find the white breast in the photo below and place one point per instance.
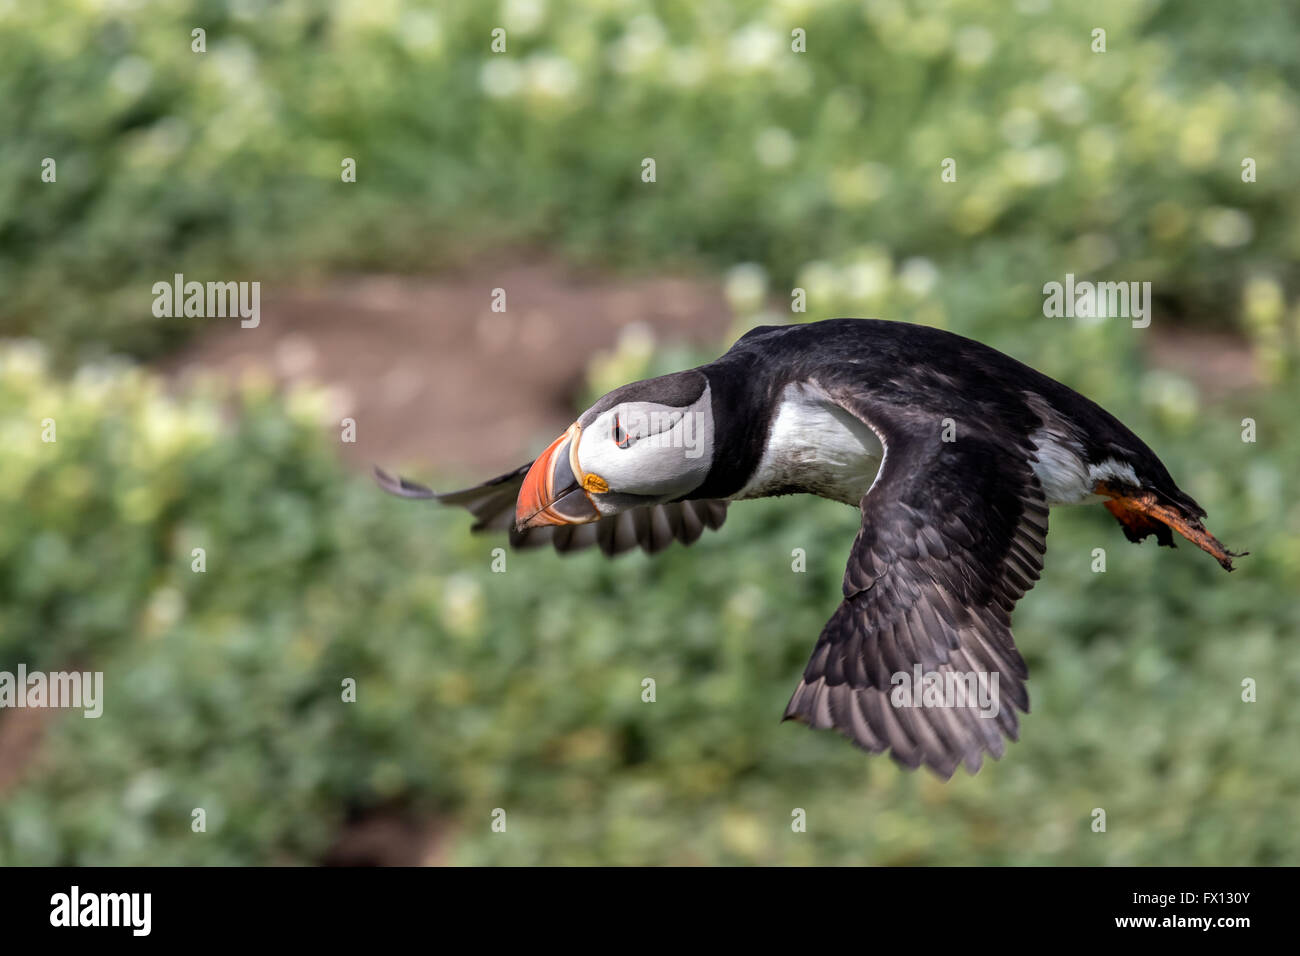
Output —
(816, 446)
(1061, 469)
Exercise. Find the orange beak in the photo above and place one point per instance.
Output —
(552, 492)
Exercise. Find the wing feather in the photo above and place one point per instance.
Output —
(652, 528)
(953, 534)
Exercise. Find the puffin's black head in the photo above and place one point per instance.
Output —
(644, 443)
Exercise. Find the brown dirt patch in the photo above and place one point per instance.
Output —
(432, 375)
(1217, 363)
(21, 732)
(390, 839)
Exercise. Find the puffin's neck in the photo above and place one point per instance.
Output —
(743, 394)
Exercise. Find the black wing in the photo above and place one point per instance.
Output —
(953, 534)
(651, 528)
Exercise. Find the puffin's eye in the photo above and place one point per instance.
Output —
(621, 438)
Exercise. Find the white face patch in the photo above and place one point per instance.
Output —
(650, 450)
(1113, 470)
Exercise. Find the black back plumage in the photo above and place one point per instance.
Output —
(922, 371)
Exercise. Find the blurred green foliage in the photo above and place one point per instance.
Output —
(523, 690)
(1124, 164)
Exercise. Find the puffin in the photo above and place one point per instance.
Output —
(953, 452)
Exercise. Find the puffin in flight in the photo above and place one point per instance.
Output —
(953, 452)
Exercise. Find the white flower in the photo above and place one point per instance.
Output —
(746, 286)
(974, 46)
(639, 45)
(1064, 97)
(918, 276)
(523, 16)
(419, 30)
(1019, 126)
(820, 281)
(1227, 228)
(687, 67)
(867, 278)
(1033, 167)
(500, 78)
(552, 76)
(131, 76)
(755, 46)
(775, 147)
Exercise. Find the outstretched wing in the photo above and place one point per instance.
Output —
(953, 534)
(651, 528)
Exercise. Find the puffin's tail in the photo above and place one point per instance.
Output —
(1142, 512)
